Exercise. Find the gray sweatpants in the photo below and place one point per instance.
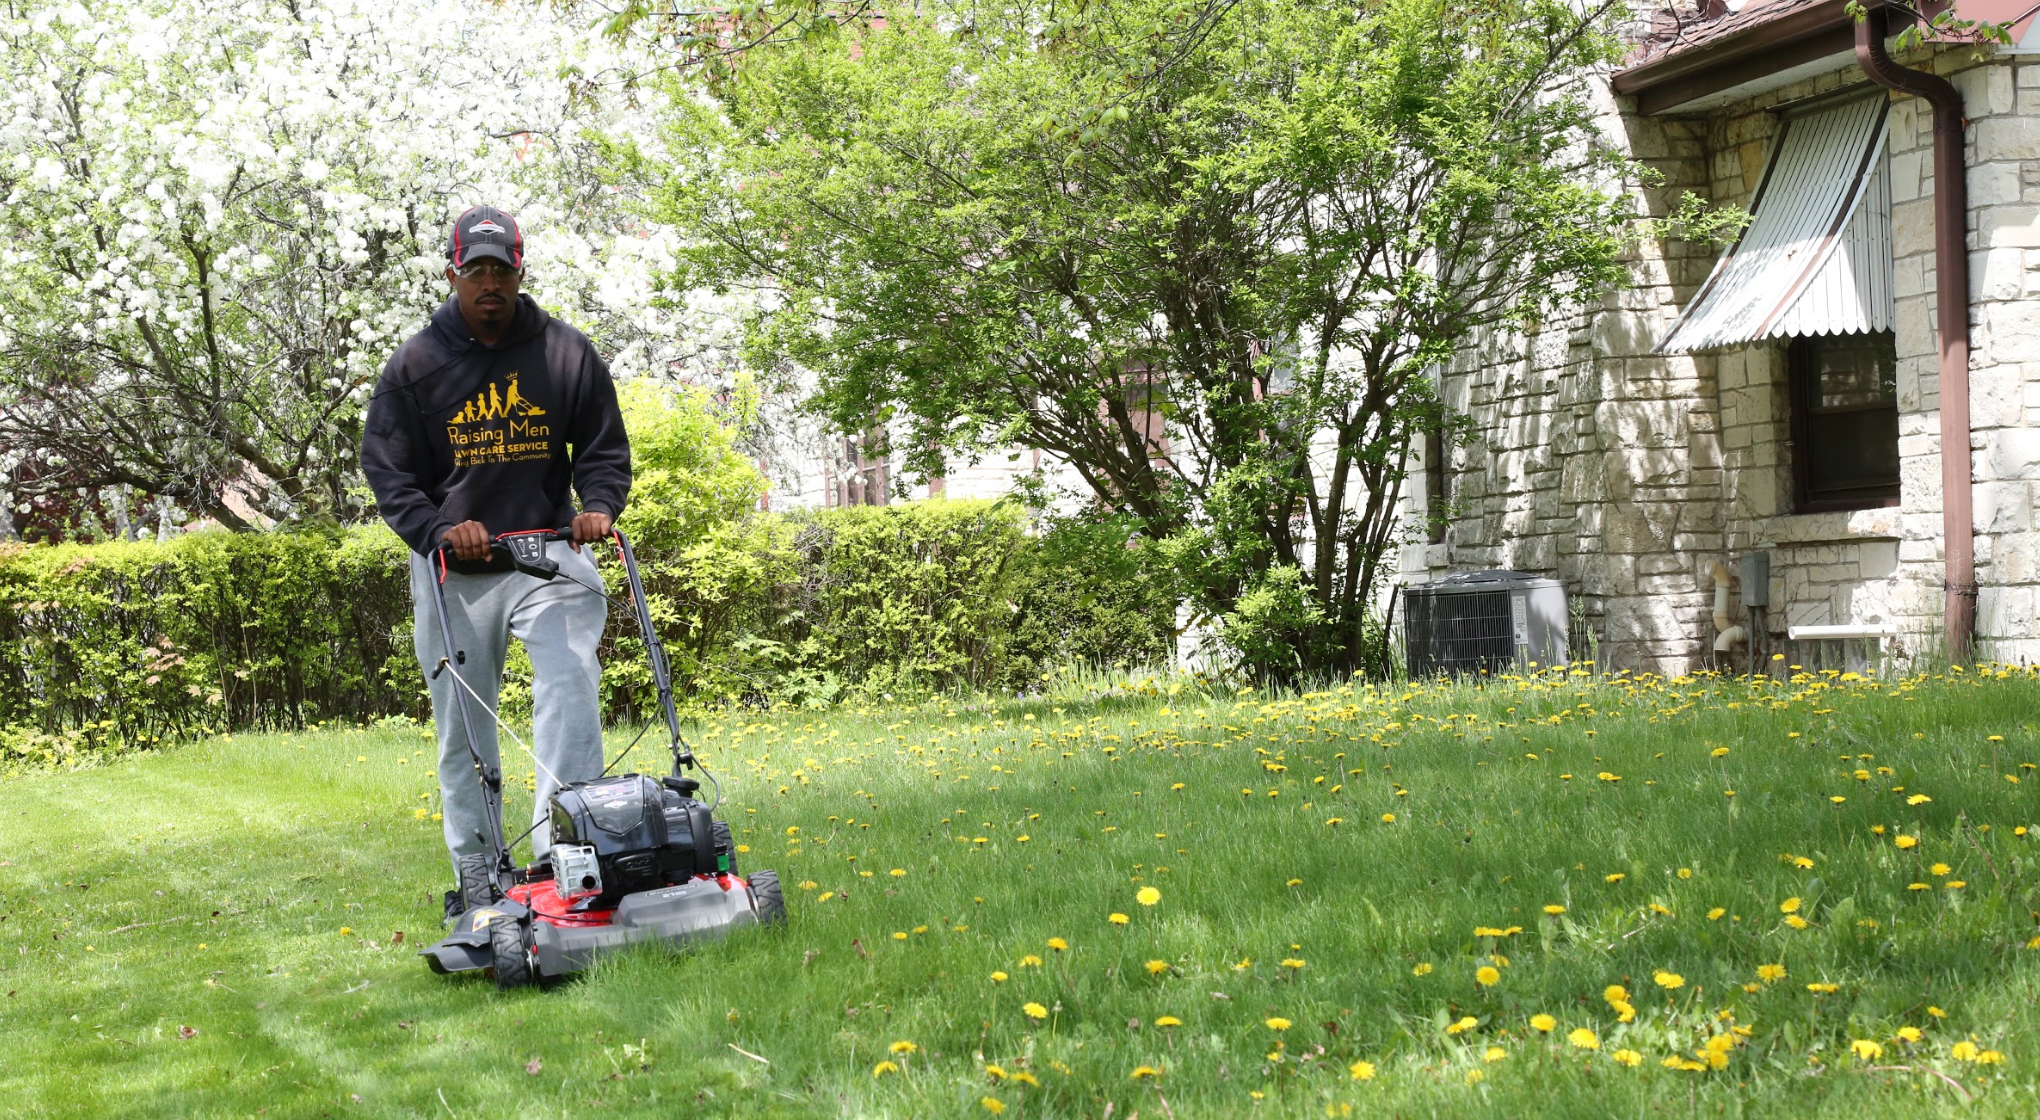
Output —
(560, 623)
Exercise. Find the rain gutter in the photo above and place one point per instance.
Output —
(1951, 299)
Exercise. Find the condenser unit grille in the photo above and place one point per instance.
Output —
(1483, 622)
(1463, 633)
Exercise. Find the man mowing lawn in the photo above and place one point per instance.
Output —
(479, 425)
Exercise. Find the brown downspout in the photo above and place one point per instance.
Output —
(1951, 298)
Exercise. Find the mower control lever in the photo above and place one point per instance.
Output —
(527, 552)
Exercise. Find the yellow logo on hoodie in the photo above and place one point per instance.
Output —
(498, 426)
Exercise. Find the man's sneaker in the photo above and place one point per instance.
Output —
(455, 907)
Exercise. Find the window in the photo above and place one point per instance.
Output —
(1437, 515)
(1844, 421)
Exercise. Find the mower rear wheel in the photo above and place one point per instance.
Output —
(512, 959)
(725, 843)
(766, 897)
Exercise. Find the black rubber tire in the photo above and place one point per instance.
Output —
(724, 842)
(512, 960)
(766, 898)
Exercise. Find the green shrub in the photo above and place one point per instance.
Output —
(123, 645)
(126, 644)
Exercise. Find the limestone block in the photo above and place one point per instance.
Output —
(1920, 551)
(1919, 482)
(1991, 185)
(2009, 225)
(1998, 274)
(2016, 556)
(1877, 559)
(2006, 137)
(1907, 170)
(1912, 227)
(1909, 277)
(2011, 332)
(2014, 453)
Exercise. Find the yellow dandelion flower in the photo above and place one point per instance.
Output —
(1866, 1049)
(1789, 906)
(1821, 988)
(1668, 979)
(1058, 944)
(1423, 969)
(1388, 818)
(1034, 1010)
(1918, 799)
(1487, 976)
(1554, 909)
(1168, 1021)
(1906, 842)
(1584, 1039)
(1964, 1051)
(1494, 1054)
(903, 1047)
(1544, 1023)
(1147, 896)
(998, 977)
(1141, 1073)
(1939, 869)
(1990, 1058)
(992, 1105)
(1293, 883)
(1629, 1058)
(1361, 1071)
(883, 1068)
(1715, 914)
(897, 872)
(1770, 972)
(1615, 993)
(1291, 962)
(1117, 918)
(1936, 1012)
(1615, 877)
(1277, 1023)
(1796, 922)
(1156, 968)
(1910, 1034)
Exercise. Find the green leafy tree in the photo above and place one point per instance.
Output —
(1207, 254)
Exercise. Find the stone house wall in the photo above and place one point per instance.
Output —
(1627, 474)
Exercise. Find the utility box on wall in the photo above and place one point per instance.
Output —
(1484, 622)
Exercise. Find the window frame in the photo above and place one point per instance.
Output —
(1802, 381)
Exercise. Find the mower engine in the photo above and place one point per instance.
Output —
(633, 859)
(619, 836)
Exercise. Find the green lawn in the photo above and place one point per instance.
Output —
(214, 930)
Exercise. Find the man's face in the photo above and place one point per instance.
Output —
(487, 290)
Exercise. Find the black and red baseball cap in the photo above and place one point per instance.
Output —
(484, 231)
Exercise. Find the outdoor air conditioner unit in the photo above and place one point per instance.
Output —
(1484, 622)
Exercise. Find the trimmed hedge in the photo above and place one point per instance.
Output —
(127, 644)
(121, 645)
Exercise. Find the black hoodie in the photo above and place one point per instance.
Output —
(458, 431)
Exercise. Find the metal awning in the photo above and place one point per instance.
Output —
(1816, 256)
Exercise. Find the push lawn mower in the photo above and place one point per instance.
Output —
(634, 858)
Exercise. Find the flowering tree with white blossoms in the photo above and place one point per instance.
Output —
(221, 217)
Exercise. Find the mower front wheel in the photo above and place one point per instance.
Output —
(511, 957)
(766, 897)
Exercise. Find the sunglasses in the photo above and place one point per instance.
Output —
(493, 270)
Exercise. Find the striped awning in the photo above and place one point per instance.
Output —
(1816, 256)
